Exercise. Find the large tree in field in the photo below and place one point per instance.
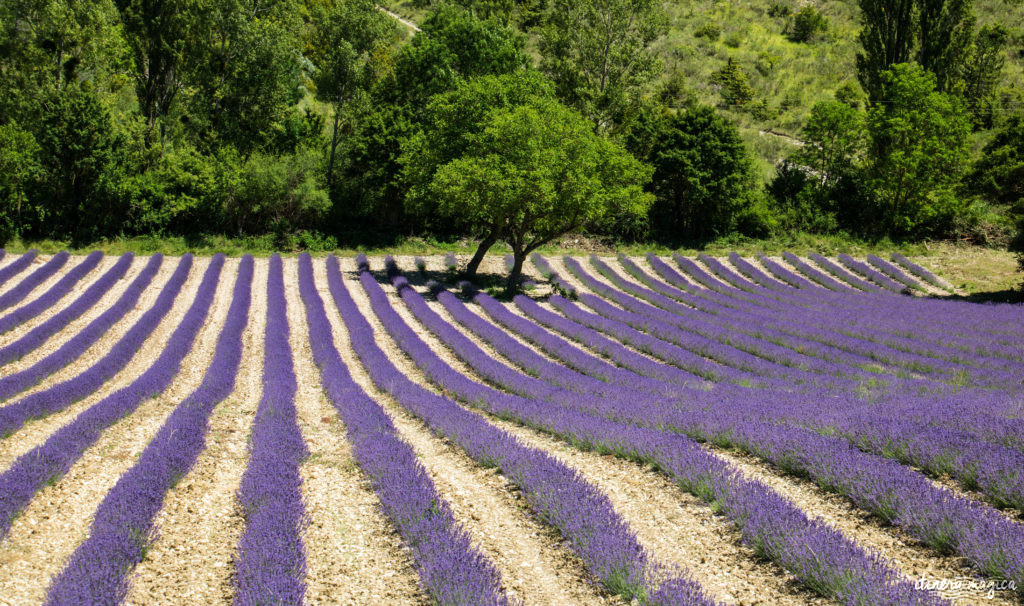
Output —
(598, 53)
(535, 172)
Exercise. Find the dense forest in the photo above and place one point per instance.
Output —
(326, 121)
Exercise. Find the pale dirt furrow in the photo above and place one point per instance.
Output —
(107, 340)
(37, 431)
(76, 291)
(531, 557)
(353, 555)
(676, 527)
(556, 264)
(721, 282)
(200, 523)
(44, 536)
(757, 265)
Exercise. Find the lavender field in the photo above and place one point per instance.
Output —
(631, 430)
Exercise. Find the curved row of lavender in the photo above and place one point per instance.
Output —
(38, 335)
(451, 570)
(47, 299)
(63, 394)
(122, 527)
(918, 271)
(554, 492)
(16, 266)
(873, 320)
(771, 525)
(270, 566)
(52, 459)
(22, 289)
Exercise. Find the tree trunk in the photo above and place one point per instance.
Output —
(334, 147)
(512, 287)
(478, 257)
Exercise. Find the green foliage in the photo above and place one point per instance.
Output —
(276, 193)
(598, 53)
(82, 157)
(834, 138)
(702, 172)
(999, 174)
(946, 30)
(807, 24)
(917, 153)
(734, 85)
(537, 171)
(983, 72)
(452, 121)
(19, 167)
(888, 37)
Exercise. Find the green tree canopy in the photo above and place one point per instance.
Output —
(702, 172)
(537, 171)
(919, 149)
(598, 53)
(451, 121)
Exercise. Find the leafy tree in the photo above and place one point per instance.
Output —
(159, 33)
(250, 75)
(702, 172)
(807, 23)
(79, 154)
(935, 33)
(598, 53)
(537, 171)
(19, 167)
(887, 37)
(453, 47)
(347, 46)
(984, 71)
(834, 141)
(998, 175)
(734, 85)
(452, 120)
(918, 151)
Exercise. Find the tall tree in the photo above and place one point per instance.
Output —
(535, 172)
(159, 34)
(887, 37)
(250, 73)
(945, 33)
(350, 36)
(984, 71)
(598, 53)
(452, 121)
